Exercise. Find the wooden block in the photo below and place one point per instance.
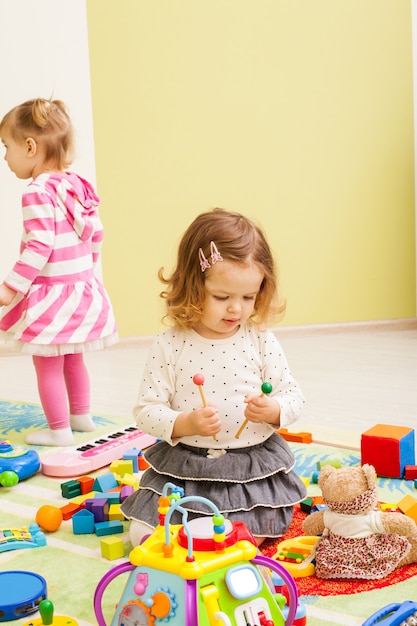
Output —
(333, 462)
(410, 472)
(69, 510)
(295, 437)
(86, 483)
(112, 548)
(408, 505)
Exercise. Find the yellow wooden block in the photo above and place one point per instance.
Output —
(121, 467)
(115, 512)
(85, 496)
(112, 548)
(131, 480)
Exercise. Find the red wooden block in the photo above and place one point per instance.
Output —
(410, 472)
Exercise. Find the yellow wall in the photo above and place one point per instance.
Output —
(296, 113)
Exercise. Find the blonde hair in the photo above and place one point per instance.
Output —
(48, 123)
(238, 240)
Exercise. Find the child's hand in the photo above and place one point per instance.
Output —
(204, 421)
(6, 294)
(262, 409)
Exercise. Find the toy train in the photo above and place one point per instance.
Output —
(203, 572)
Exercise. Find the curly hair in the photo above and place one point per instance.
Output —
(239, 240)
(48, 123)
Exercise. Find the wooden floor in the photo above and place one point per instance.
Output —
(353, 377)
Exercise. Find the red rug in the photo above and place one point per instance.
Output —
(313, 586)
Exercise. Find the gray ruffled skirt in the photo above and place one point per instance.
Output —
(255, 485)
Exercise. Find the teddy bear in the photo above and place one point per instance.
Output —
(358, 540)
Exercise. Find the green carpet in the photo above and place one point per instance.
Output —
(72, 564)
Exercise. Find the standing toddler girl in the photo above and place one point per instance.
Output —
(55, 308)
(219, 297)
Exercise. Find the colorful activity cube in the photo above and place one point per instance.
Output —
(389, 449)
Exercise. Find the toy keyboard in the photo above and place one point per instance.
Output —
(19, 538)
(96, 453)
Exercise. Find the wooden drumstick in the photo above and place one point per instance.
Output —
(266, 389)
(198, 379)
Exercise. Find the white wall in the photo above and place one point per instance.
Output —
(43, 52)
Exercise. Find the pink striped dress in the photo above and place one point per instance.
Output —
(61, 306)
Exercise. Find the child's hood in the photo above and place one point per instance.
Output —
(78, 200)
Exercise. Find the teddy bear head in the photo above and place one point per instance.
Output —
(349, 490)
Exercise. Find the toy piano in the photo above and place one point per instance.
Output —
(96, 453)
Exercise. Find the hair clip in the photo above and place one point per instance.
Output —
(204, 264)
(215, 256)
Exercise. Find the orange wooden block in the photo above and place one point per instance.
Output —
(408, 505)
(86, 483)
(295, 437)
(143, 465)
(69, 510)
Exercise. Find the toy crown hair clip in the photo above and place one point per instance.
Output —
(215, 256)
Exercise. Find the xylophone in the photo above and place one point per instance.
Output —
(96, 453)
(18, 538)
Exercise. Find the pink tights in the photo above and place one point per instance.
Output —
(62, 380)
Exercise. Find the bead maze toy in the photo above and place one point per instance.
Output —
(96, 453)
(203, 572)
(20, 594)
(46, 610)
(397, 614)
(17, 463)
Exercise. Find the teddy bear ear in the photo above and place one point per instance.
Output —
(370, 474)
(325, 472)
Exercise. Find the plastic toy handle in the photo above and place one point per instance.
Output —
(104, 582)
(400, 611)
(289, 581)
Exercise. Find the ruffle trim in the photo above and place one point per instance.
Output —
(239, 465)
(58, 349)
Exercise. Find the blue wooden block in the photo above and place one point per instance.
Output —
(83, 523)
(132, 455)
(108, 528)
(105, 482)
